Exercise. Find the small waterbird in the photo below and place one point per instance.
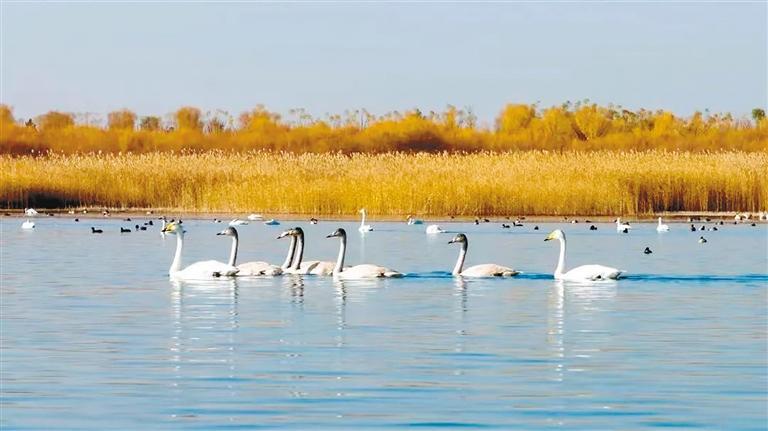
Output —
(647, 250)
(702, 240)
(94, 230)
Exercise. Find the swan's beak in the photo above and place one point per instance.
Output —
(331, 235)
(549, 237)
(451, 242)
(283, 234)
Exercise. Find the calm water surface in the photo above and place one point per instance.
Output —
(95, 336)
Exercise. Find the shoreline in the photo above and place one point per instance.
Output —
(91, 214)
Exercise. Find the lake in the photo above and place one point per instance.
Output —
(96, 336)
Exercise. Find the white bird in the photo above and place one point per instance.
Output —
(620, 227)
(484, 270)
(199, 270)
(357, 271)
(162, 228)
(364, 227)
(271, 222)
(300, 266)
(30, 212)
(248, 268)
(238, 222)
(580, 273)
(29, 224)
(662, 227)
(434, 228)
(412, 220)
(254, 217)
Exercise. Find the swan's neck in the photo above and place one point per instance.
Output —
(460, 261)
(659, 221)
(342, 251)
(289, 257)
(176, 264)
(233, 252)
(362, 222)
(561, 260)
(163, 224)
(299, 254)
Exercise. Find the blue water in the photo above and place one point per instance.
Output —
(95, 336)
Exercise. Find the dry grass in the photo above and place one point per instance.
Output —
(530, 182)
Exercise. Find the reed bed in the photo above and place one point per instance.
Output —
(485, 183)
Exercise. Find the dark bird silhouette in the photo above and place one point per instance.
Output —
(94, 230)
(647, 250)
(702, 240)
(535, 228)
(593, 227)
(505, 226)
(124, 230)
(625, 230)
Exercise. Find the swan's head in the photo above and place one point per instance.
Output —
(288, 232)
(173, 227)
(340, 232)
(555, 234)
(460, 238)
(362, 211)
(230, 231)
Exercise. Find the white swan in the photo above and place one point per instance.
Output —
(434, 228)
(484, 270)
(412, 220)
(238, 222)
(29, 224)
(248, 268)
(364, 227)
(662, 227)
(199, 270)
(300, 266)
(357, 271)
(621, 226)
(30, 212)
(580, 273)
(254, 217)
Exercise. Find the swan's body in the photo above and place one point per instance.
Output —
(357, 271)
(30, 212)
(271, 222)
(254, 217)
(484, 270)
(238, 222)
(248, 268)
(434, 228)
(662, 227)
(364, 227)
(621, 227)
(580, 273)
(412, 220)
(29, 224)
(300, 266)
(200, 270)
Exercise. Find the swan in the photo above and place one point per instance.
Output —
(580, 273)
(662, 227)
(254, 217)
(484, 270)
(621, 227)
(364, 227)
(248, 268)
(434, 228)
(412, 220)
(357, 271)
(30, 212)
(29, 224)
(238, 222)
(300, 266)
(271, 222)
(198, 270)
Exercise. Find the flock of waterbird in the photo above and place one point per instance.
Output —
(296, 264)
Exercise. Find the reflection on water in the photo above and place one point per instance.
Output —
(104, 336)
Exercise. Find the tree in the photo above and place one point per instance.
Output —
(758, 114)
(189, 118)
(515, 118)
(56, 120)
(150, 123)
(123, 119)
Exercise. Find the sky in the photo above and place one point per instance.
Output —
(153, 58)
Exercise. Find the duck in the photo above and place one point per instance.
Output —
(94, 230)
(702, 240)
(593, 227)
(647, 250)
(124, 230)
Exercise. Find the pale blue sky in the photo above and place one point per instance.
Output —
(153, 58)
